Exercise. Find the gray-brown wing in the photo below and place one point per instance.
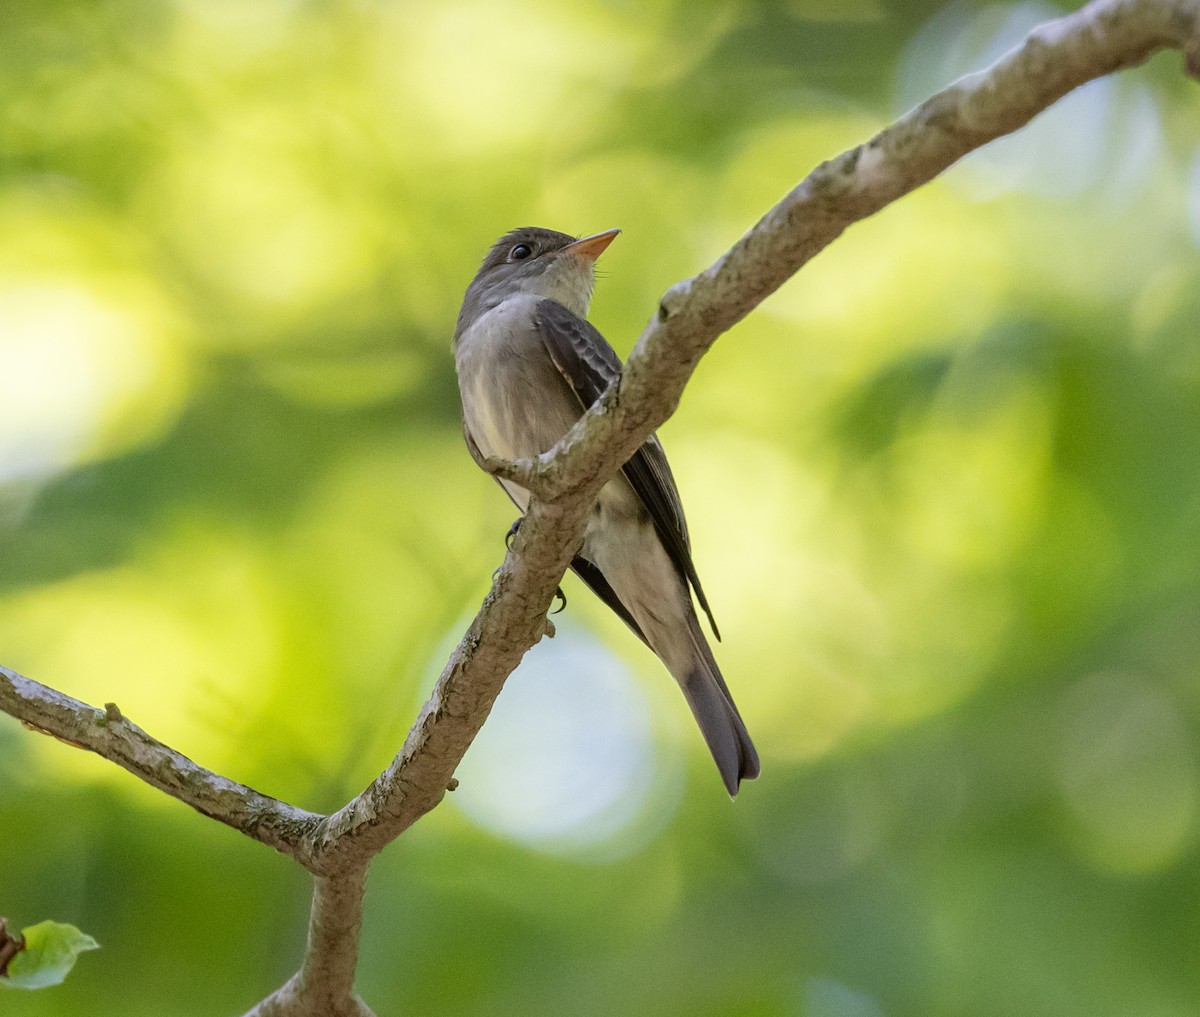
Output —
(589, 364)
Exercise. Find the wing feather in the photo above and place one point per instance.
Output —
(589, 365)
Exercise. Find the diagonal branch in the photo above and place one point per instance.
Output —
(1102, 37)
(1057, 57)
(109, 734)
(511, 620)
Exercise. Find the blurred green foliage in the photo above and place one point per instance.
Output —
(943, 489)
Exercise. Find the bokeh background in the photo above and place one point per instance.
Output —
(944, 490)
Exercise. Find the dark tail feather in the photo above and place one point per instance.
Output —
(718, 717)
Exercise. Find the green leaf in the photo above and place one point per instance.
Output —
(49, 954)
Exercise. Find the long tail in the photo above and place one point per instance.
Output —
(718, 717)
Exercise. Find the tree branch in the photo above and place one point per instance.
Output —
(109, 734)
(1057, 57)
(324, 985)
(1102, 37)
(511, 620)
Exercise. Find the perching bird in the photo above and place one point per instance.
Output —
(529, 364)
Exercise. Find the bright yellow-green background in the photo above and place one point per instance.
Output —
(944, 490)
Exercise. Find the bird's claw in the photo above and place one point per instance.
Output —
(512, 532)
(562, 600)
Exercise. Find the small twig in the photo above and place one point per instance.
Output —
(528, 473)
(1191, 60)
(10, 946)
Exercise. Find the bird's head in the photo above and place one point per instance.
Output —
(539, 262)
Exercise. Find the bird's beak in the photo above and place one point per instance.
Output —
(591, 247)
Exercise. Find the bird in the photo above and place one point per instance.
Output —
(529, 364)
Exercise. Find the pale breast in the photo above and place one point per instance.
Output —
(515, 402)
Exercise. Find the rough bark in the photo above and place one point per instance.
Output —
(324, 985)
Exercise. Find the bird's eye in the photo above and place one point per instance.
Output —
(520, 252)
